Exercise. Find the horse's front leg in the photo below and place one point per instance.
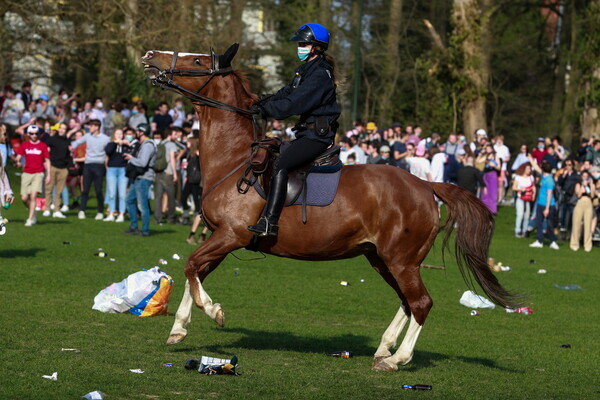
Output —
(199, 264)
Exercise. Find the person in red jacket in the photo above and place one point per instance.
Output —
(37, 159)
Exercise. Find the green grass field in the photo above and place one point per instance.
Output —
(282, 316)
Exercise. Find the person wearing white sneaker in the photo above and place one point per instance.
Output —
(545, 206)
(120, 218)
(81, 215)
(37, 159)
(99, 217)
(64, 208)
(109, 218)
(58, 214)
(46, 213)
(60, 157)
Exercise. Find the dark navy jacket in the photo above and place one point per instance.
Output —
(314, 96)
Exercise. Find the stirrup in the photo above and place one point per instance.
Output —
(263, 228)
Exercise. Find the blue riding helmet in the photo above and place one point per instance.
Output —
(313, 33)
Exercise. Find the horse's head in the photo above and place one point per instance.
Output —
(177, 71)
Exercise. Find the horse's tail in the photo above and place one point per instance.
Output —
(474, 225)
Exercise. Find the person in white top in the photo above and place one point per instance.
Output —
(524, 187)
(419, 165)
(438, 159)
(504, 154)
(177, 113)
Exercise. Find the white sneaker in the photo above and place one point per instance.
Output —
(109, 218)
(64, 208)
(52, 206)
(58, 214)
(554, 246)
(120, 218)
(2, 228)
(29, 222)
(46, 213)
(81, 215)
(99, 217)
(536, 244)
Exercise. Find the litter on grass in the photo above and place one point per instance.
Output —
(53, 377)
(137, 371)
(176, 256)
(214, 366)
(344, 283)
(73, 350)
(144, 293)
(472, 300)
(572, 286)
(95, 395)
(542, 271)
(565, 346)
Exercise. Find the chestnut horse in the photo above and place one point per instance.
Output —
(379, 211)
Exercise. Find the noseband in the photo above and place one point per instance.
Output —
(164, 80)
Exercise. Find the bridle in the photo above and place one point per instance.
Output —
(164, 80)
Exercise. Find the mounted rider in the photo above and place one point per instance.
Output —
(312, 96)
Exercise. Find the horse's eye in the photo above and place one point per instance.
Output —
(197, 61)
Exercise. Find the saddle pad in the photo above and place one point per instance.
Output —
(321, 189)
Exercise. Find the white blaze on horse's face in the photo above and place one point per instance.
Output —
(155, 61)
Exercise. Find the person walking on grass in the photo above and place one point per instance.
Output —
(6, 194)
(94, 169)
(545, 208)
(37, 159)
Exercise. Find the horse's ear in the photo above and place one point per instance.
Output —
(225, 59)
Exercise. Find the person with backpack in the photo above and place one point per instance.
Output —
(141, 175)
(165, 180)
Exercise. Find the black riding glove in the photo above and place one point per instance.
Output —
(256, 109)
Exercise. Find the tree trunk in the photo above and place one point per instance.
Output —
(392, 61)
(471, 24)
(131, 12)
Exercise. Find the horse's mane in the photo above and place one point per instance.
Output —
(245, 81)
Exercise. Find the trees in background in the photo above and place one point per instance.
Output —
(523, 69)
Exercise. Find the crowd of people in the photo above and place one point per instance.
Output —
(66, 146)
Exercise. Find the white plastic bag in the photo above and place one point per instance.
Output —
(472, 300)
(133, 292)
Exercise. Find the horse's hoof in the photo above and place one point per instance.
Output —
(380, 364)
(220, 317)
(175, 338)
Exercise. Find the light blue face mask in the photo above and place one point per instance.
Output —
(303, 53)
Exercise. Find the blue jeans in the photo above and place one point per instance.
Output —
(116, 184)
(550, 222)
(137, 197)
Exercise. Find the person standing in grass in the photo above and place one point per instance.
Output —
(37, 159)
(94, 170)
(60, 158)
(116, 181)
(545, 207)
(583, 212)
(6, 194)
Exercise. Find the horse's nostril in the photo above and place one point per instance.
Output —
(149, 54)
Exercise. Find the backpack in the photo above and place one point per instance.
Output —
(193, 170)
(161, 162)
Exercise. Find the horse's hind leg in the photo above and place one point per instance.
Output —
(391, 334)
(420, 303)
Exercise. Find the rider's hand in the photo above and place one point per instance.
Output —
(256, 109)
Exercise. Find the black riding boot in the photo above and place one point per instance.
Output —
(267, 225)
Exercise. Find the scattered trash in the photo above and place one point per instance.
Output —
(100, 253)
(236, 272)
(95, 395)
(211, 365)
(344, 283)
(112, 259)
(540, 370)
(504, 268)
(53, 377)
(472, 300)
(572, 286)
(137, 371)
(73, 350)
(66, 242)
(417, 387)
(541, 271)
(497, 267)
(144, 293)
(176, 256)
(475, 312)
(519, 310)
(362, 281)
(532, 261)
(167, 364)
(340, 354)
(565, 346)
(163, 261)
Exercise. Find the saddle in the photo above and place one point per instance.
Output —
(259, 171)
